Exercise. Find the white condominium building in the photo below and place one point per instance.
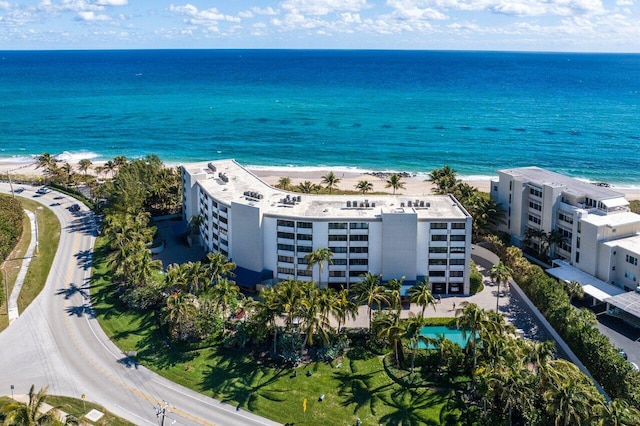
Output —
(268, 232)
(601, 235)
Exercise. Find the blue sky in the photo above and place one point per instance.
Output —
(522, 25)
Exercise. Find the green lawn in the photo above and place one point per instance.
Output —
(358, 388)
(49, 236)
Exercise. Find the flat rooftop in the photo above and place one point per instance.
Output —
(230, 182)
(615, 219)
(570, 185)
(631, 244)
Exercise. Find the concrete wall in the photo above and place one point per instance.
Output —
(399, 245)
(246, 236)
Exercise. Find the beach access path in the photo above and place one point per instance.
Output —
(26, 261)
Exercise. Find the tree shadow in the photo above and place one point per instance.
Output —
(83, 224)
(358, 389)
(85, 259)
(129, 362)
(81, 311)
(409, 406)
(73, 289)
(241, 382)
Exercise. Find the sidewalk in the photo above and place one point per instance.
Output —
(15, 293)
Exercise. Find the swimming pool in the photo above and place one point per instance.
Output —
(450, 333)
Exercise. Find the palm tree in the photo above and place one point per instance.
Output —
(224, 294)
(388, 325)
(119, 160)
(618, 413)
(342, 308)
(364, 186)
(330, 181)
(319, 257)
(180, 311)
(395, 182)
(553, 240)
(500, 273)
(421, 295)
(444, 180)
(393, 288)
(574, 288)
(313, 320)
(29, 414)
(414, 333)
(369, 291)
(306, 187)
(471, 319)
(284, 183)
(219, 267)
(84, 165)
(110, 166)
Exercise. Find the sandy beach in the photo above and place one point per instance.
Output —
(414, 185)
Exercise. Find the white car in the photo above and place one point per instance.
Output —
(43, 190)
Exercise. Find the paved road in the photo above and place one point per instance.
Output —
(57, 342)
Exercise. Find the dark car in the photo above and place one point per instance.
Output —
(623, 354)
(74, 208)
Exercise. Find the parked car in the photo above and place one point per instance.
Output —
(74, 208)
(43, 190)
(623, 354)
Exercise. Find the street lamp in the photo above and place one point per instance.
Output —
(11, 391)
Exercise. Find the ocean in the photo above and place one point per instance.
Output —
(412, 111)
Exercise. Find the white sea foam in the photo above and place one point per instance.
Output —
(14, 159)
(74, 157)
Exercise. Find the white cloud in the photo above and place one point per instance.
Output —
(624, 3)
(112, 2)
(323, 7)
(91, 16)
(411, 10)
(507, 7)
(207, 17)
(5, 5)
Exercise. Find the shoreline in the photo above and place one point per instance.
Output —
(415, 184)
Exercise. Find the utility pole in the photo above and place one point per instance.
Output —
(6, 283)
(161, 411)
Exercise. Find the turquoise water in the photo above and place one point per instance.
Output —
(371, 110)
(435, 331)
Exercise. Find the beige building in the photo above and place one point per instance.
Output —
(268, 232)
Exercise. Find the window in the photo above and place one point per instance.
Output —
(358, 238)
(358, 262)
(215, 215)
(223, 220)
(287, 235)
(215, 246)
(305, 273)
(438, 225)
(535, 219)
(630, 275)
(577, 257)
(359, 225)
(337, 225)
(535, 192)
(287, 223)
(358, 249)
(438, 238)
(436, 273)
(565, 218)
(224, 242)
(337, 238)
(286, 271)
(223, 209)
(304, 237)
(578, 243)
(632, 260)
(535, 206)
(457, 250)
(307, 225)
(336, 274)
(437, 249)
(458, 237)
(438, 262)
(456, 262)
(456, 274)
(579, 227)
(302, 261)
(339, 262)
(305, 249)
(458, 225)
(338, 250)
(286, 247)
(287, 259)
(355, 274)
(215, 225)
(214, 204)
